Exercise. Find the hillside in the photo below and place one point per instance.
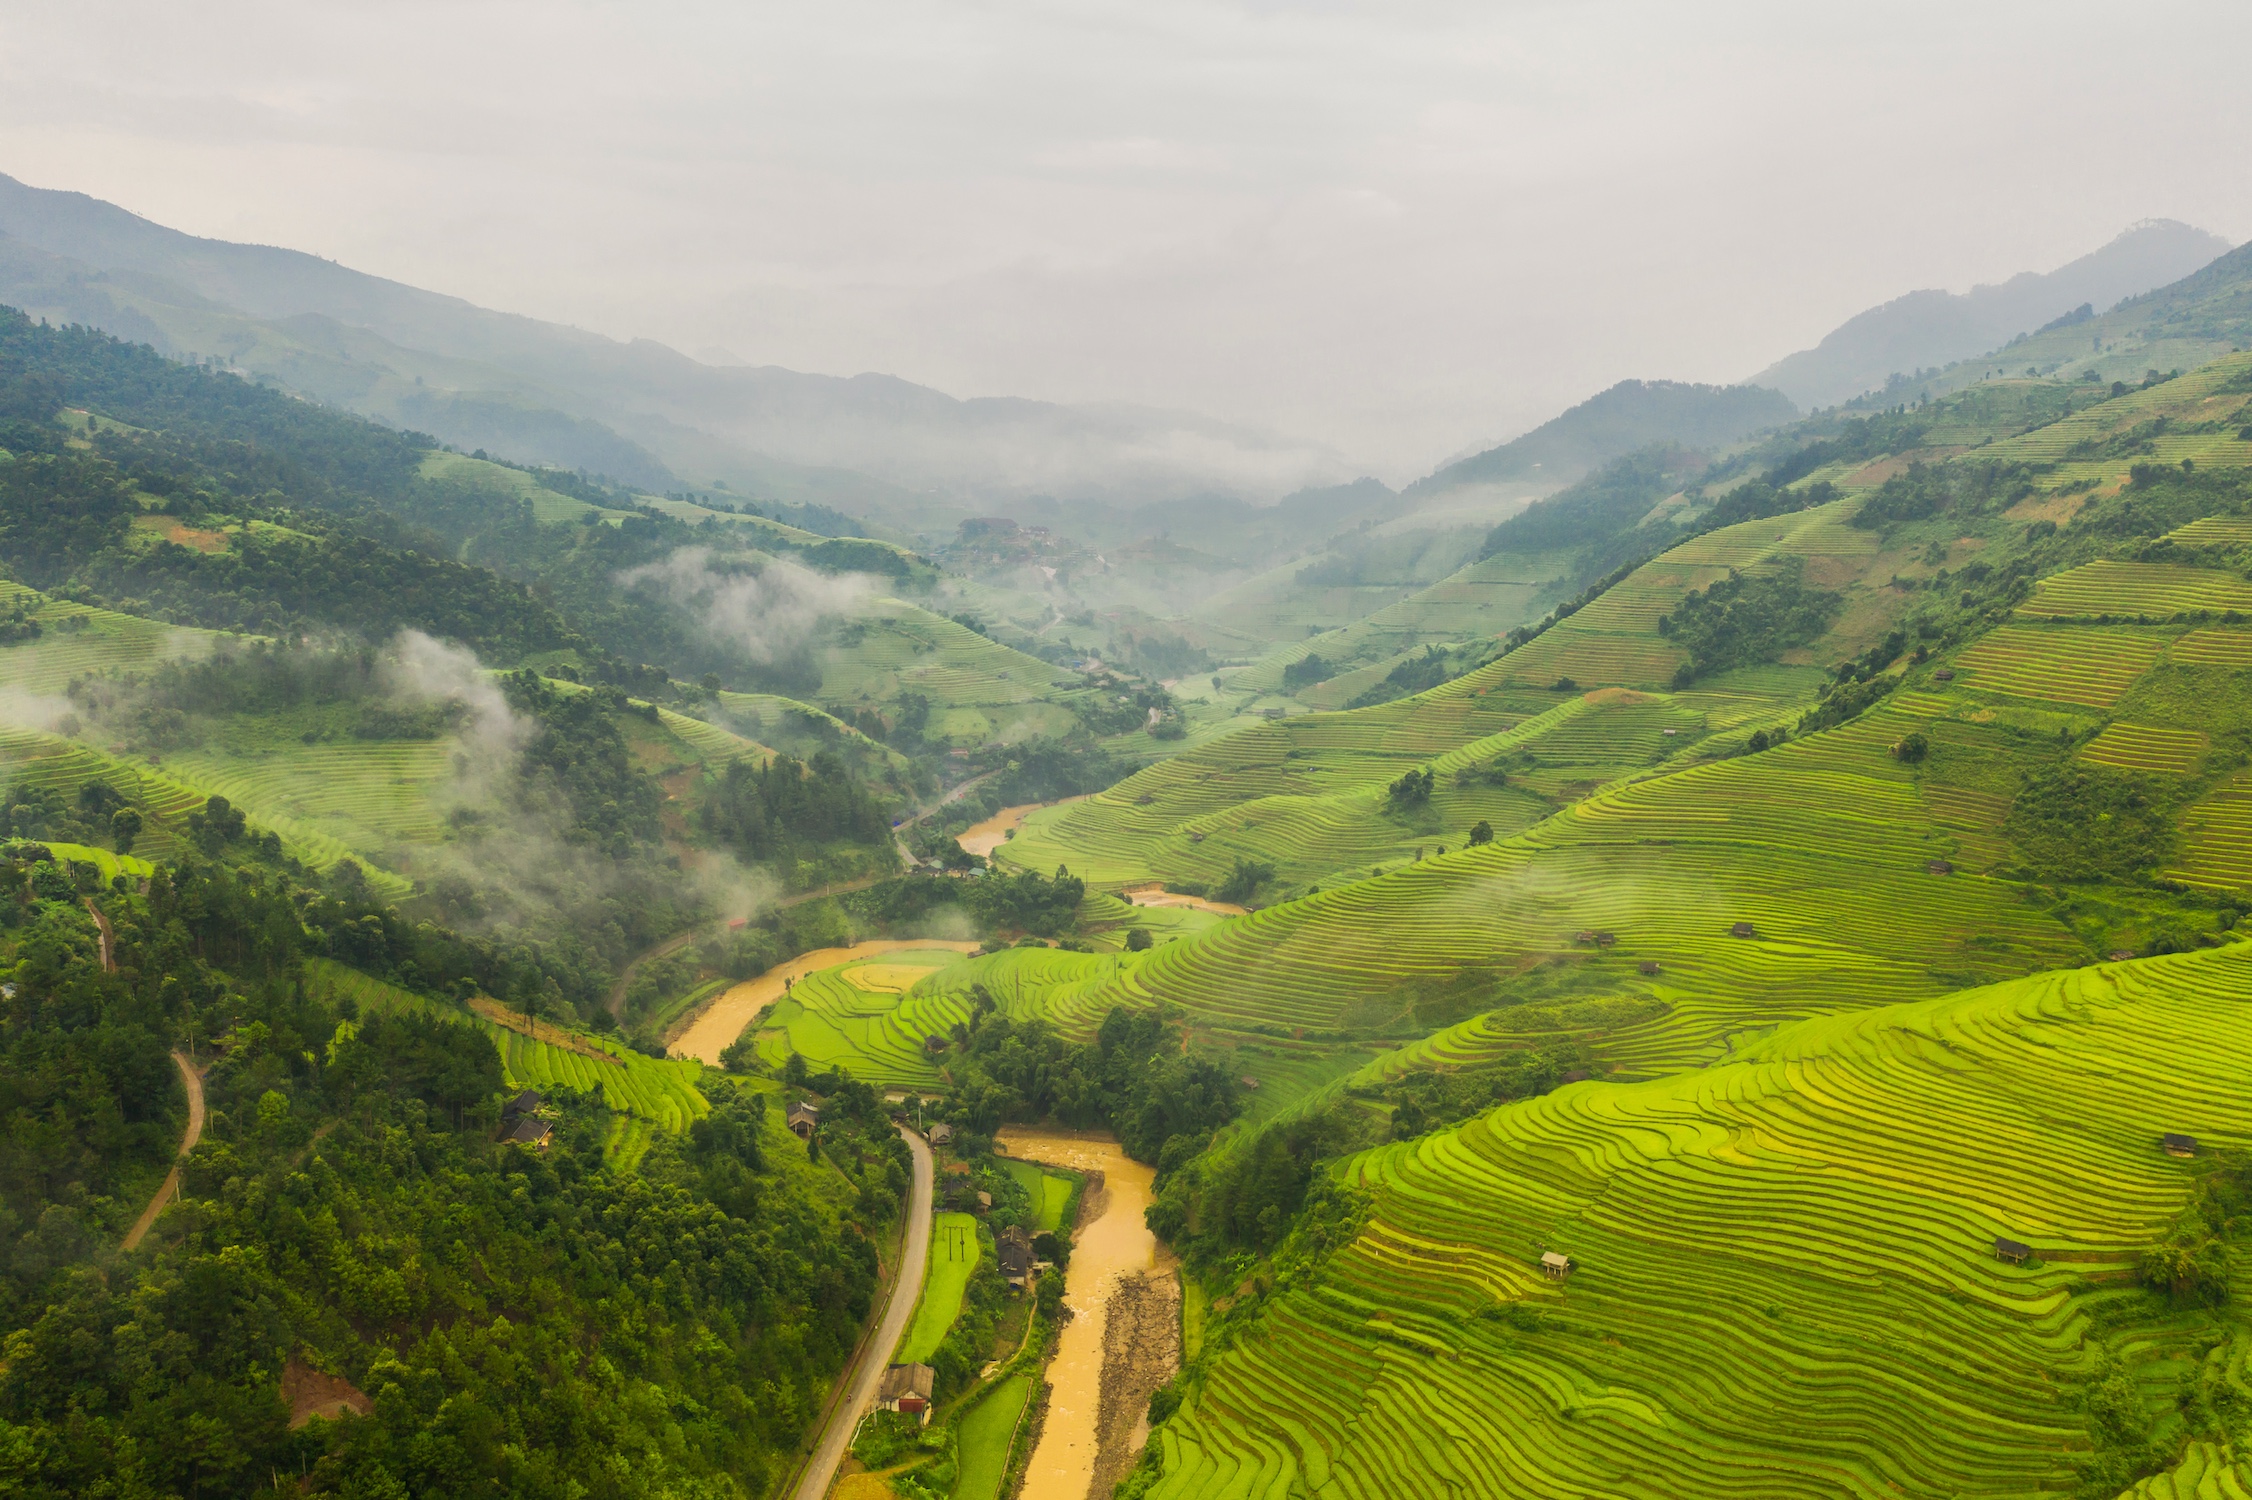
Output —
(637, 411)
(1935, 329)
(1632, 414)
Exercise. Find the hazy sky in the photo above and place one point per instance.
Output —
(1401, 228)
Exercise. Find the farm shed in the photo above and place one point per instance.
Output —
(1944, 674)
(941, 1133)
(803, 1119)
(934, 1043)
(907, 1388)
(1249, 1082)
(531, 1131)
(1940, 867)
(1606, 939)
(1555, 1266)
(1743, 930)
(2179, 1145)
(1648, 966)
(2121, 955)
(525, 1103)
(2011, 1251)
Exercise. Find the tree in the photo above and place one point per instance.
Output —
(1912, 748)
(124, 827)
(1481, 832)
(1412, 789)
(1244, 880)
(1138, 940)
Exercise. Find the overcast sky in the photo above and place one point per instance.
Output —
(1405, 229)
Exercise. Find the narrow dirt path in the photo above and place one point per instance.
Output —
(171, 1187)
(858, 1383)
(108, 943)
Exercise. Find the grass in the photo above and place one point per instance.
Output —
(984, 1436)
(1806, 1230)
(953, 1256)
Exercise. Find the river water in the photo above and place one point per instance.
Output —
(1112, 1248)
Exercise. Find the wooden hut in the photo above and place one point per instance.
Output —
(2011, 1250)
(907, 1388)
(1606, 939)
(1939, 867)
(2179, 1145)
(1554, 1266)
(941, 1133)
(1743, 930)
(934, 1043)
(1944, 674)
(531, 1131)
(803, 1119)
(1648, 966)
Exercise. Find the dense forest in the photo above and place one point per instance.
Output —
(516, 1318)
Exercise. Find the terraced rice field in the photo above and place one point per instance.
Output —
(81, 641)
(2214, 531)
(2217, 838)
(1822, 843)
(31, 759)
(1783, 1283)
(2213, 646)
(2059, 663)
(2141, 747)
(2131, 589)
(978, 688)
(661, 1093)
(874, 1017)
(954, 1255)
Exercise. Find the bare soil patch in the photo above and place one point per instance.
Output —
(1141, 1351)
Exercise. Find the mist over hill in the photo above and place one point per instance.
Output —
(637, 410)
(1938, 328)
(1610, 424)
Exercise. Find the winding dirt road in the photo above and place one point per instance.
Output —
(171, 1188)
(858, 1383)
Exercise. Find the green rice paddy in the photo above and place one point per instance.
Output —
(1783, 1277)
(946, 1276)
(1051, 1193)
(983, 1437)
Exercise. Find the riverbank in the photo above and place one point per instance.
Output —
(981, 839)
(1122, 1339)
(714, 1028)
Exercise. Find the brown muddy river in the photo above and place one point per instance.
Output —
(1114, 1259)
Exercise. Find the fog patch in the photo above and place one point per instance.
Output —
(767, 611)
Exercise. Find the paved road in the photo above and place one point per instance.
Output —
(194, 1133)
(861, 1380)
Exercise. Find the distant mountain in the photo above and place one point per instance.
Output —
(639, 410)
(1933, 329)
(1630, 415)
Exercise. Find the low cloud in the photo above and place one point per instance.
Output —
(768, 611)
